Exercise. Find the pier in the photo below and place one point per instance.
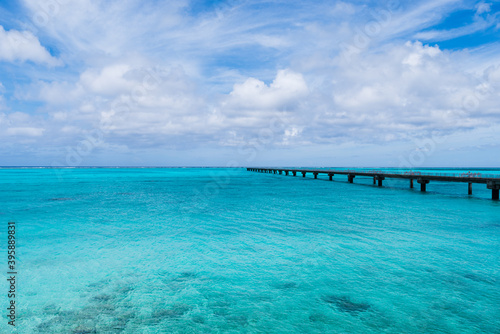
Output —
(491, 181)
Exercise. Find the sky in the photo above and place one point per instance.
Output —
(369, 83)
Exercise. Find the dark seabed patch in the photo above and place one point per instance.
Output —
(102, 298)
(198, 319)
(345, 304)
(239, 320)
(478, 278)
(318, 317)
(185, 276)
(84, 330)
(285, 285)
(51, 309)
(181, 281)
(106, 312)
(99, 284)
(173, 312)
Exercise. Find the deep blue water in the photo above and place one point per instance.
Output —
(231, 251)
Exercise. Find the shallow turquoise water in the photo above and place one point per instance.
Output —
(231, 251)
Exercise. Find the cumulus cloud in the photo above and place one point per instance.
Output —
(152, 76)
(407, 91)
(20, 125)
(286, 90)
(24, 46)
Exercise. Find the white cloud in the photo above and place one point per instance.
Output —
(20, 125)
(420, 51)
(287, 89)
(483, 7)
(2, 99)
(23, 46)
(108, 81)
(25, 131)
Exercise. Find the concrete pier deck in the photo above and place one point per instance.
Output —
(492, 181)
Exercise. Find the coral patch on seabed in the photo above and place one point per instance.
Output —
(176, 311)
(104, 313)
(345, 304)
(84, 330)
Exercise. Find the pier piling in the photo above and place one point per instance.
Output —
(380, 179)
(423, 184)
(495, 187)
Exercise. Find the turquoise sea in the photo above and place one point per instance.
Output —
(161, 250)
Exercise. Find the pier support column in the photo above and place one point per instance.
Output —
(495, 189)
(303, 174)
(315, 175)
(423, 184)
(411, 183)
(280, 172)
(380, 179)
(470, 188)
(374, 180)
(286, 173)
(294, 173)
(350, 178)
(330, 176)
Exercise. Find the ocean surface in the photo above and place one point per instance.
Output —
(229, 251)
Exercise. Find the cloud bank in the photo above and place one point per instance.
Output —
(329, 78)
(23, 46)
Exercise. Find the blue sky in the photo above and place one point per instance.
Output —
(245, 83)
